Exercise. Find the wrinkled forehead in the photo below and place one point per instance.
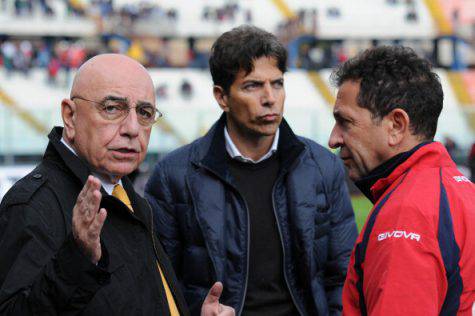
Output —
(132, 93)
(104, 79)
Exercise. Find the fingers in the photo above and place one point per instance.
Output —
(214, 293)
(89, 200)
(87, 221)
(93, 197)
(93, 201)
(92, 184)
(225, 310)
(96, 226)
(94, 235)
(211, 305)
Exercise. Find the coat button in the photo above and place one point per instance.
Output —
(37, 176)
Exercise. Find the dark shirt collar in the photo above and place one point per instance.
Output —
(383, 171)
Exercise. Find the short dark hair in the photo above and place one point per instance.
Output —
(237, 49)
(395, 77)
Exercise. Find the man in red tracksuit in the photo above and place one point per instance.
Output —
(416, 252)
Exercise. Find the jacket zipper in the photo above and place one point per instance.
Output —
(206, 243)
(283, 249)
(248, 236)
(247, 253)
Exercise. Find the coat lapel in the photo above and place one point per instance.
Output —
(144, 214)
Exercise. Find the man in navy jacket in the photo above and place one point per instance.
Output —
(251, 204)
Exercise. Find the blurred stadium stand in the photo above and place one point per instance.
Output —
(42, 42)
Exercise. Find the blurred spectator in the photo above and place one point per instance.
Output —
(289, 30)
(305, 60)
(23, 7)
(304, 23)
(205, 13)
(314, 21)
(62, 51)
(186, 89)
(128, 12)
(22, 57)
(26, 48)
(452, 148)
(43, 56)
(136, 52)
(248, 16)
(225, 13)
(27, 7)
(76, 55)
(471, 162)
(26, 54)
(316, 55)
(53, 68)
(105, 7)
(8, 53)
(172, 14)
(76, 7)
(162, 91)
(341, 55)
(411, 15)
(333, 12)
(46, 8)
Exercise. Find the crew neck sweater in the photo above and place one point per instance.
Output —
(267, 292)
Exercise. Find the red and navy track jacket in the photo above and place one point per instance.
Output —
(416, 252)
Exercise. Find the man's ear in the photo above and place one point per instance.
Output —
(398, 124)
(68, 113)
(221, 97)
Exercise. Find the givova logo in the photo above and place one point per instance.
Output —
(461, 179)
(399, 234)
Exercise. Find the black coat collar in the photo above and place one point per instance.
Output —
(56, 149)
(80, 169)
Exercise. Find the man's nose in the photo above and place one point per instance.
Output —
(336, 139)
(130, 126)
(269, 94)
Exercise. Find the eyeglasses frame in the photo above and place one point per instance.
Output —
(158, 114)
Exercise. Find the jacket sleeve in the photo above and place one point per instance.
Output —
(158, 194)
(41, 272)
(342, 238)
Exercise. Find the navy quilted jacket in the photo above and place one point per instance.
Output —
(202, 221)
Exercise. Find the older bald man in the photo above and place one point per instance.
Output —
(74, 236)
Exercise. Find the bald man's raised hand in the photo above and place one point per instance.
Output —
(211, 305)
(88, 220)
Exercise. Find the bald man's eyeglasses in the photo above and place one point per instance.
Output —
(117, 109)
